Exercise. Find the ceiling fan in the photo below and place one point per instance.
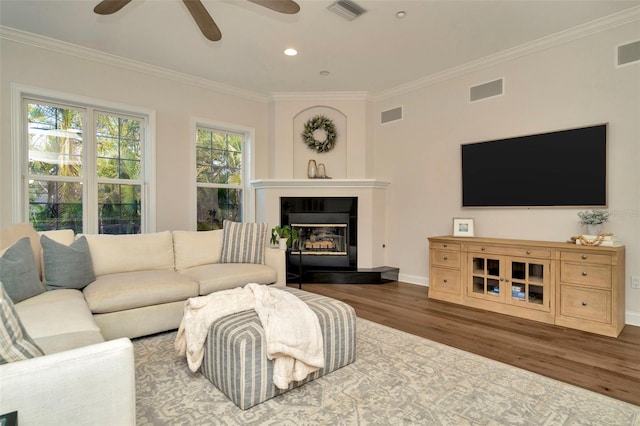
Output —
(205, 22)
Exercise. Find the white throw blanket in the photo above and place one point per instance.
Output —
(292, 330)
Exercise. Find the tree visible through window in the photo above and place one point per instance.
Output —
(218, 177)
(68, 166)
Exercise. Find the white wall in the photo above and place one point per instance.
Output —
(571, 85)
(175, 100)
(352, 156)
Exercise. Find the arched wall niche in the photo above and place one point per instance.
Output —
(335, 161)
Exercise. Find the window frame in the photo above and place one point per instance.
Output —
(21, 94)
(248, 197)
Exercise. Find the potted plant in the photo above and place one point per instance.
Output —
(284, 235)
(593, 220)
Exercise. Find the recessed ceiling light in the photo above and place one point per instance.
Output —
(290, 52)
(401, 14)
(324, 72)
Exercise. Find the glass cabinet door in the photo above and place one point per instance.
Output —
(528, 283)
(486, 278)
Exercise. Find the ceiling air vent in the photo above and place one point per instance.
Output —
(347, 9)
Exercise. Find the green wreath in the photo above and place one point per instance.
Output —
(319, 122)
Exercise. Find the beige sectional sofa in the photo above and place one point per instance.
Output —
(141, 284)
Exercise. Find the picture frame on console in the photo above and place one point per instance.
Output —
(463, 227)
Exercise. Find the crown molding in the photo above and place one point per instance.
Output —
(575, 33)
(62, 47)
(320, 96)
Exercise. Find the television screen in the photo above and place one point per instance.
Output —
(563, 168)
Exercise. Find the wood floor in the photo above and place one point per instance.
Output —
(610, 366)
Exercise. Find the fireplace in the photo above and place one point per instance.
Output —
(327, 231)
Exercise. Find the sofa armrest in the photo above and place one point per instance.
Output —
(277, 260)
(92, 385)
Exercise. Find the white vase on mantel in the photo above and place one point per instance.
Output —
(282, 242)
(594, 228)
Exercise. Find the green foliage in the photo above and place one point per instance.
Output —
(593, 217)
(280, 232)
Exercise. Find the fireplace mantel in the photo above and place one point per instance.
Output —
(319, 183)
(371, 194)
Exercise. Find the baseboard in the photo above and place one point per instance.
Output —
(413, 279)
(632, 318)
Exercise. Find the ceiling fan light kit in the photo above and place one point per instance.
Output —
(199, 13)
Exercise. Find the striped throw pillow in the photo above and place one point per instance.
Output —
(15, 342)
(243, 242)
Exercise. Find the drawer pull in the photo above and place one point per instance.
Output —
(584, 273)
(528, 251)
(444, 281)
(584, 303)
(482, 248)
(445, 245)
(584, 256)
(446, 258)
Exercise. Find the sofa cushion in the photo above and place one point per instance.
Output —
(15, 342)
(193, 248)
(19, 272)
(223, 276)
(113, 254)
(129, 290)
(66, 266)
(59, 320)
(243, 242)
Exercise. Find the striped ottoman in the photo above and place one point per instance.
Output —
(235, 357)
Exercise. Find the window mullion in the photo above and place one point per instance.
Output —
(89, 174)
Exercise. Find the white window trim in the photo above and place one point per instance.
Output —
(19, 149)
(248, 196)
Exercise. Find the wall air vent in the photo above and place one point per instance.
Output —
(390, 115)
(629, 53)
(486, 90)
(347, 9)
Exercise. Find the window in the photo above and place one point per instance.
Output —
(220, 162)
(85, 168)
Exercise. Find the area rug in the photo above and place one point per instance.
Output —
(397, 379)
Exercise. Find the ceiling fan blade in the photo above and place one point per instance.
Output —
(208, 27)
(282, 6)
(107, 7)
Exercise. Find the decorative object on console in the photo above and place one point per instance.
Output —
(593, 220)
(312, 169)
(605, 239)
(462, 227)
(284, 235)
(320, 134)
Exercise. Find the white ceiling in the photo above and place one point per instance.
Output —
(374, 53)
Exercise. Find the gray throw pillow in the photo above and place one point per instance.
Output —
(19, 272)
(15, 342)
(243, 242)
(67, 266)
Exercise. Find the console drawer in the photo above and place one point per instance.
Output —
(445, 245)
(586, 274)
(585, 304)
(602, 259)
(536, 252)
(445, 280)
(448, 259)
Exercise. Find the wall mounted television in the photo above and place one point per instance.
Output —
(555, 169)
